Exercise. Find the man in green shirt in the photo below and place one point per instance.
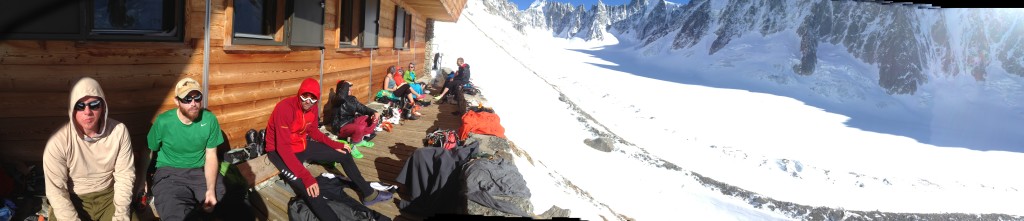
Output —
(185, 141)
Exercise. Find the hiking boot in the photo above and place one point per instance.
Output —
(260, 149)
(236, 155)
(250, 136)
(253, 151)
(381, 197)
(364, 143)
(261, 137)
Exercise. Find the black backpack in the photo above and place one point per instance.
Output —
(344, 206)
(299, 211)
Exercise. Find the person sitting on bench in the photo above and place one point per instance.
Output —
(88, 162)
(292, 138)
(351, 119)
(455, 84)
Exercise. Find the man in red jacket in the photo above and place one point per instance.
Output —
(292, 138)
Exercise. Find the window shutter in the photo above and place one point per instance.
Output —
(409, 34)
(307, 23)
(371, 12)
(399, 27)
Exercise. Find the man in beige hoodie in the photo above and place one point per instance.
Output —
(88, 162)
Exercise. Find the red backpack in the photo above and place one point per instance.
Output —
(442, 138)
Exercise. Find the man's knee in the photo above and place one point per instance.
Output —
(174, 205)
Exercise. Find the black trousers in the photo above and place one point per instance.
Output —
(321, 153)
(455, 88)
(402, 91)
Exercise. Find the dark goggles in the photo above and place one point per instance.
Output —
(94, 105)
(187, 99)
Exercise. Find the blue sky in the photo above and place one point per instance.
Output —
(523, 4)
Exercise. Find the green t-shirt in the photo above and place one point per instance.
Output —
(183, 146)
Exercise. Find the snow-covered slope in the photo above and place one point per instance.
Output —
(735, 135)
(934, 70)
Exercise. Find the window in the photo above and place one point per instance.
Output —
(135, 20)
(358, 23)
(144, 17)
(278, 22)
(255, 19)
(350, 23)
(257, 22)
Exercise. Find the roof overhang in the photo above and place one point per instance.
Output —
(439, 10)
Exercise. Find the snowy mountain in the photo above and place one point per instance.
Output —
(565, 20)
(909, 44)
(624, 128)
(842, 52)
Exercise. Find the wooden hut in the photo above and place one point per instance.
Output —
(248, 55)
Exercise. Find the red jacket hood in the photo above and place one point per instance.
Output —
(310, 86)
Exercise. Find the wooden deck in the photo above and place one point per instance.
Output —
(383, 162)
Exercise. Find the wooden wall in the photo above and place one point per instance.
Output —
(245, 82)
(138, 79)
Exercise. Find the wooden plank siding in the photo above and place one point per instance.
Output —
(137, 77)
(245, 82)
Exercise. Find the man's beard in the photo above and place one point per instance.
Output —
(190, 114)
(306, 108)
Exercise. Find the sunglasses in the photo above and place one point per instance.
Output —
(188, 100)
(309, 99)
(94, 105)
